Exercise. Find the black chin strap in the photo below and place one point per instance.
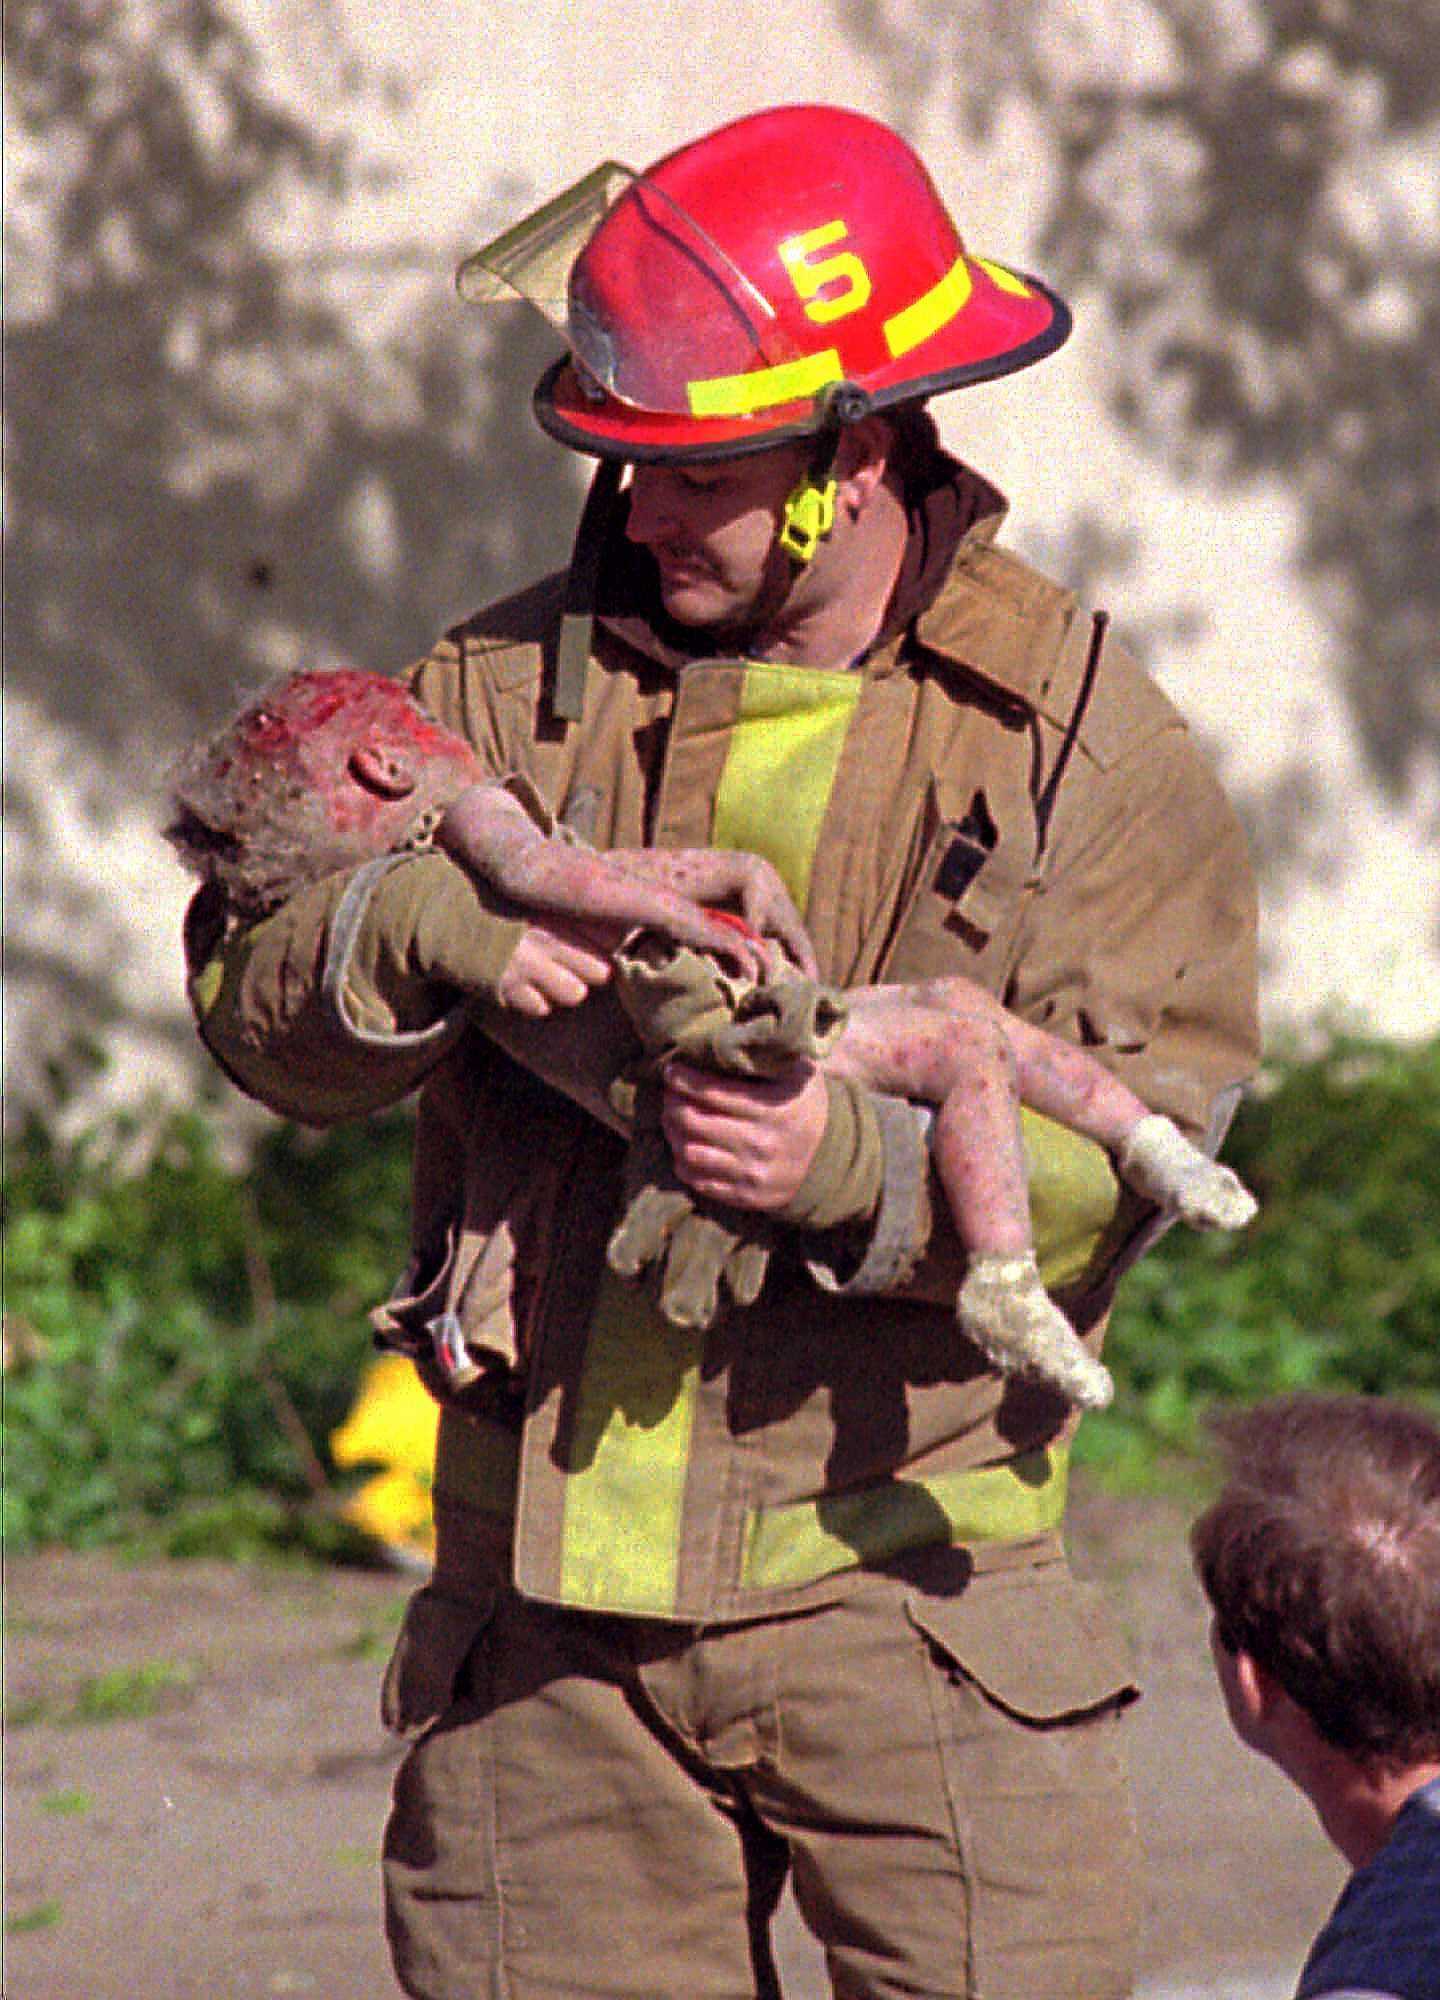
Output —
(810, 509)
(577, 623)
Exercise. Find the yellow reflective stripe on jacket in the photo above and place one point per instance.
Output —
(797, 1544)
(629, 1456)
(205, 986)
(1073, 1191)
(780, 767)
(629, 1459)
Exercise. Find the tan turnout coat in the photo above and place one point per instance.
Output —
(1011, 804)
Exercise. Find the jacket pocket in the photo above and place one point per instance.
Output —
(962, 912)
(424, 1675)
(1040, 1646)
(1028, 1681)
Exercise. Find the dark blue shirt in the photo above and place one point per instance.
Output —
(1383, 1938)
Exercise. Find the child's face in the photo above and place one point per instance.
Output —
(328, 769)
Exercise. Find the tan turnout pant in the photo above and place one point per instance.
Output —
(610, 1807)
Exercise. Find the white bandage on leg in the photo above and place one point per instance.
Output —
(1158, 1161)
(1006, 1311)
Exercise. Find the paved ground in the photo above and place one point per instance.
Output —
(222, 1845)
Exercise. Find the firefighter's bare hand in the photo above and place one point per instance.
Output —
(741, 1140)
(557, 963)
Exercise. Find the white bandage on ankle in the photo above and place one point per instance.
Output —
(1004, 1308)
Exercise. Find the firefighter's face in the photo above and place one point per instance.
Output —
(711, 526)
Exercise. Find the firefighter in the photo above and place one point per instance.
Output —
(785, 1597)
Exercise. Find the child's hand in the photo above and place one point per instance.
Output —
(726, 875)
(555, 964)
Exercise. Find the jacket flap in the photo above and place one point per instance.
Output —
(989, 1632)
(1007, 627)
(422, 1678)
(975, 865)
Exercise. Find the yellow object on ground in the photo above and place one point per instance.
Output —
(391, 1425)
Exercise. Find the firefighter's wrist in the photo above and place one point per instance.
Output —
(842, 1184)
(460, 939)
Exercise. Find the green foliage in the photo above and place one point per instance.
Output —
(1335, 1286)
(72, 1803)
(129, 1694)
(40, 1917)
(119, 1694)
(186, 1333)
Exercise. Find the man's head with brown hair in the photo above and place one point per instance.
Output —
(322, 771)
(1321, 1562)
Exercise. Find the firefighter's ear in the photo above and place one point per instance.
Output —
(861, 461)
(384, 769)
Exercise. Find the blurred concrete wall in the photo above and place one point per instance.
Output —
(249, 427)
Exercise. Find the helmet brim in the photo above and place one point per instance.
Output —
(574, 411)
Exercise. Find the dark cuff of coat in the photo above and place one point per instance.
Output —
(412, 935)
(843, 1183)
(883, 1260)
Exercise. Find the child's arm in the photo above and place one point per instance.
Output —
(728, 876)
(489, 832)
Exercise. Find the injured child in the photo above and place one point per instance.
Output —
(711, 962)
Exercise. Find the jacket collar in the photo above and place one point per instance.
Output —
(955, 514)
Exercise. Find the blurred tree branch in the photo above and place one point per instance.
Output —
(1253, 191)
(229, 451)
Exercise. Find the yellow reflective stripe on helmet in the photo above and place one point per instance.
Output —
(629, 1457)
(780, 768)
(1005, 281)
(764, 388)
(797, 1544)
(912, 327)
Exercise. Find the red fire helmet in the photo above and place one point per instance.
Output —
(790, 267)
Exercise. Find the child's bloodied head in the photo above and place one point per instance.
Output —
(321, 772)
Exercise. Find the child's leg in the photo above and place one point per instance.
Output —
(1066, 1083)
(960, 1059)
(1152, 1154)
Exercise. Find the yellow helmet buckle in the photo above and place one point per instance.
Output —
(809, 517)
